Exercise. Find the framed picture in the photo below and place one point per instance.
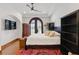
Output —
(13, 25)
(51, 26)
(9, 25)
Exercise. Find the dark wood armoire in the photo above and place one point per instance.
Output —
(26, 30)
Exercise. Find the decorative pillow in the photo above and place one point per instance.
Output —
(57, 34)
(51, 34)
(47, 33)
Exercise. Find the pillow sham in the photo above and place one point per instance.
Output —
(47, 33)
(51, 33)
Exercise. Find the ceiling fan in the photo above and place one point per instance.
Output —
(31, 6)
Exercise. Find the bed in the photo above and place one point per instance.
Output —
(42, 40)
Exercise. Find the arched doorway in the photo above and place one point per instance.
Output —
(36, 25)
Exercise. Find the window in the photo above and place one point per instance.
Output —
(36, 25)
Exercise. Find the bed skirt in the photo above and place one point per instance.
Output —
(42, 46)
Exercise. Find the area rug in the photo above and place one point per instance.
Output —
(39, 52)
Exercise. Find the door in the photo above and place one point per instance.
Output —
(26, 30)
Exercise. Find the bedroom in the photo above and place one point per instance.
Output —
(34, 28)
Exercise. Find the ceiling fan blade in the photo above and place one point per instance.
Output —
(37, 10)
(28, 6)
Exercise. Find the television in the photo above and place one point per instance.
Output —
(50, 26)
(9, 25)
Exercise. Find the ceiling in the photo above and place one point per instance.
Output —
(45, 8)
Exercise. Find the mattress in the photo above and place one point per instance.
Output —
(41, 39)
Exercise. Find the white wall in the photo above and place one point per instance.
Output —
(61, 10)
(9, 35)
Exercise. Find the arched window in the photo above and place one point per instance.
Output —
(36, 25)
